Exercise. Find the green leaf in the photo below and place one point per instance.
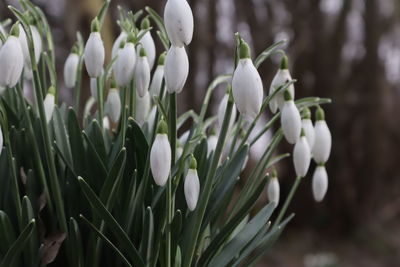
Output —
(103, 12)
(75, 240)
(32, 252)
(60, 134)
(117, 230)
(267, 53)
(18, 245)
(76, 142)
(158, 20)
(147, 245)
(6, 232)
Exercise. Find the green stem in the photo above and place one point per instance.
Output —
(132, 99)
(205, 196)
(287, 202)
(100, 101)
(123, 116)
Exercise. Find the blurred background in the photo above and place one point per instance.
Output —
(347, 50)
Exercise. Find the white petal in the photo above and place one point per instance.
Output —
(291, 122)
(117, 43)
(281, 77)
(142, 108)
(24, 43)
(125, 65)
(192, 189)
(211, 144)
(301, 157)
(319, 183)
(37, 42)
(323, 142)
(179, 22)
(150, 48)
(12, 62)
(247, 89)
(155, 86)
(273, 191)
(106, 123)
(94, 55)
(176, 69)
(221, 112)
(49, 102)
(70, 70)
(113, 105)
(152, 117)
(184, 137)
(309, 131)
(160, 159)
(142, 76)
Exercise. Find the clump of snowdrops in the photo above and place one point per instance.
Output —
(112, 185)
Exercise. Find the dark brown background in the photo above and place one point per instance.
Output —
(348, 50)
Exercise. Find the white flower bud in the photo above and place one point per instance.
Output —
(301, 156)
(142, 74)
(94, 52)
(323, 139)
(221, 112)
(93, 88)
(116, 46)
(113, 105)
(70, 70)
(290, 120)
(49, 104)
(142, 108)
(125, 65)
(11, 60)
(192, 185)
(148, 43)
(281, 77)
(179, 22)
(320, 183)
(247, 87)
(158, 76)
(308, 127)
(160, 156)
(176, 69)
(274, 190)
(211, 144)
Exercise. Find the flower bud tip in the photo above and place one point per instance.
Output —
(284, 63)
(244, 50)
(161, 59)
(95, 27)
(287, 96)
(320, 114)
(145, 23)
(15, 30)
(193, 162)
(162, 127)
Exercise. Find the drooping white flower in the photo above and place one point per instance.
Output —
(176, 69)
(212, 141)
(301, 156)
(124, 66)
(11, 59)
(274, 190)
(142, 108)
(113, 104)
(160, 155)
(179, 22)
(158, 76)
(320, 183)
(117, 43)
(308, 127)
(37, 45)
(71, 68)
(247, 87)
(142, 74)
(93, 87)
(281, 77)
(94, 51)
(49, 103)
(222, 109)
(148, 43)
(323, 138)
(192, 185)
(290, 119)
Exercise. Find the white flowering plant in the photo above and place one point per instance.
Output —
(117, 187)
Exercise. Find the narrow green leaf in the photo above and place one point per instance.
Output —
(267, 53)
(76, 242)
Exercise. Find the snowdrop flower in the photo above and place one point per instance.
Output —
(94, 51)
(49, 103)
(71, 68)
(274, 189)
(113, 103)
(308, 127)
(176, 68)
(301, 156)
(142, 74)
(192, 185)
(222, 109)
(160, 155)
(11, 59)
(125, 64)
(212, 141)
(323, 138)
(290, 119)
(148, 43)
(93, 88)
(117, 44)
(320, 183)
(158, 76)
(142, 108)
(179, 22)
(281, 77)
(247, 87)
(37, 44)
